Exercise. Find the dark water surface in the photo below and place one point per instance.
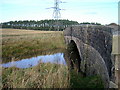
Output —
(57, 58)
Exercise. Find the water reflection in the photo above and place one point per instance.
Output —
(57, 58)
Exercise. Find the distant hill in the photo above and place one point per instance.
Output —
(92, 23)
(39, 25)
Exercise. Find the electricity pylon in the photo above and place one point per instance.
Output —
(56, 12)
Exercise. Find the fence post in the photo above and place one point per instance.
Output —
(116, 53)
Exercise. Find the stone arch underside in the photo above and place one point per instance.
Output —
(74, 56)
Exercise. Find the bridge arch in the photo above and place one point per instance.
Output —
(75, 56)
(92, 64)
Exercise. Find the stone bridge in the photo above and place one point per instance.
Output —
(90, 49)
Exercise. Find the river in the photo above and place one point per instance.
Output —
(57, 58)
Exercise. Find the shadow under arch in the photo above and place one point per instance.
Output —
(73, 56)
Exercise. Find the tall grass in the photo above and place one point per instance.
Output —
(47, 75)
(41, 76)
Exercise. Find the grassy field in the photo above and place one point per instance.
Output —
(18, 44)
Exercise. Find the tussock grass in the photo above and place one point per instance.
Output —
(41, 76)
(18, 44)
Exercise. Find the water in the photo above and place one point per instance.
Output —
(57, 58)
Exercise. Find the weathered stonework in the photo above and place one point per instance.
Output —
(94, 44)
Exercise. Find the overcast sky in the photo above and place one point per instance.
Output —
(101, 11)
